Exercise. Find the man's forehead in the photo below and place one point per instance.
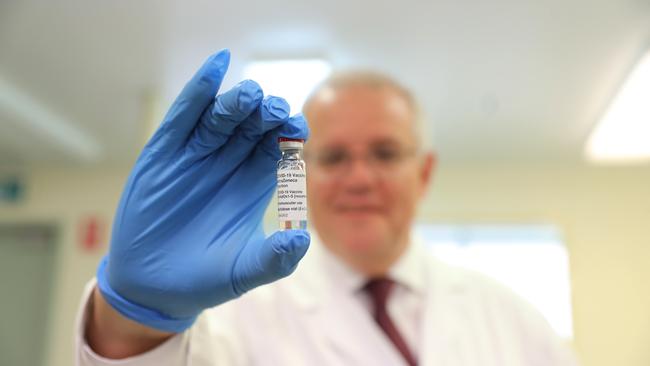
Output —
(360, 113)
(330, 95)
(358, 101)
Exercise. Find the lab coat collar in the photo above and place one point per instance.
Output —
(320, 272)
(408, 270)
(343, 277)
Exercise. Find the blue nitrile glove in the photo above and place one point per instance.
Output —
(188, 230)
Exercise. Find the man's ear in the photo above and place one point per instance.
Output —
(428, 165)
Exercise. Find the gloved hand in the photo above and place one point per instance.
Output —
(188, 231)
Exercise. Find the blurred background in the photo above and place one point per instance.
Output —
(544, 173)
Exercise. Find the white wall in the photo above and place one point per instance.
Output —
(605, 217)
(64, 197)
(604, 214)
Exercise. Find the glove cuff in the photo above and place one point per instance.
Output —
(136, 312)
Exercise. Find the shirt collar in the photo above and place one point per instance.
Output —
(342, 276)
(408, 271)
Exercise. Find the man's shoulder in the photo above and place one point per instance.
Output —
(447, 278)
(454, 283)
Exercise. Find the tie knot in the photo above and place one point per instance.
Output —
(379, 290)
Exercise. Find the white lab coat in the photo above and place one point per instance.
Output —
(467, 320)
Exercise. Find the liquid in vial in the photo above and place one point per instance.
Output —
(292, 185)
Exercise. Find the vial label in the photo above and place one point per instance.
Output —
(292, 195)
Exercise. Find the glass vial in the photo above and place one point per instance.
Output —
(292, 185)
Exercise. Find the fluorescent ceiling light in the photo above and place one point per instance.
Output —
(43, 121)
(292, 80)
(623, 135)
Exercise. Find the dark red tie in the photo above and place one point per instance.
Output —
(379, 290)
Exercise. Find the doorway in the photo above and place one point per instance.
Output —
(27, 256)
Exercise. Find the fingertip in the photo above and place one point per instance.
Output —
(301, 237)
(299, 243)
(291, 240)
(275, 109)
(295, 128)
(249, 95)
(302, 122)
(216, 66)
(221, 58)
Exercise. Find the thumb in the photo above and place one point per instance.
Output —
(269, 260)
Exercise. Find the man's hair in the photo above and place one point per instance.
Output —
(376, 80)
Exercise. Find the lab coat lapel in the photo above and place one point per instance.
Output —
(440, 341)
(348, 334)
(450, 336)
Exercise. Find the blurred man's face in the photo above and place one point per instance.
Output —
(365, 174)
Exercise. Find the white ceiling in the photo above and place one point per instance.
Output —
(503, 80)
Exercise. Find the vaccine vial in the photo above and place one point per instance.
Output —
(292, 185)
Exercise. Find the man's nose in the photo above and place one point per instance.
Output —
(360, 175)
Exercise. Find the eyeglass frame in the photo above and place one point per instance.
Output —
(383, 169)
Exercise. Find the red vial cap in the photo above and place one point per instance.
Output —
(282, 139)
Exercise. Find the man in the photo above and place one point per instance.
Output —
(187, 244)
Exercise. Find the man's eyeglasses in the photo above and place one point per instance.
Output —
(381, 160)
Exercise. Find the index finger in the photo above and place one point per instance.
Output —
(196, 96)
